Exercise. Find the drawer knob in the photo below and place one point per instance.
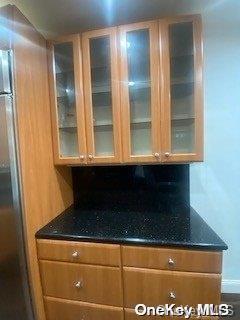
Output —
(172, 295)
(75, 254)
(171, 262)
(79, 284)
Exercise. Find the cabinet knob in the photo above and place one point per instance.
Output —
(171, 262)
(78, 284)
(167, 154)
(82, 157)
(90, 156)
(156, 155)
(75, 254)
(172, 295)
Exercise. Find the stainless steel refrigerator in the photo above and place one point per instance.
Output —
(15, 302)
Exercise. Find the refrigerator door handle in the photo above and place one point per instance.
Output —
(5, 79)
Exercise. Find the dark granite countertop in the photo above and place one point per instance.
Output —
(185, 229)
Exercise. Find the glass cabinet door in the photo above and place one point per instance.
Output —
(182, 116)
(102, 101)
(139, 89)
(68, 111)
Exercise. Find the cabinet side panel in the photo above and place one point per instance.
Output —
(46, 190)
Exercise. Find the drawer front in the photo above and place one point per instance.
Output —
(131, 315)
(172, 259)
(96, 284)
(58, 309)
(79, 252)
(153, 287)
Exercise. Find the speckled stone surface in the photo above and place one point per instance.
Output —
(185, 228)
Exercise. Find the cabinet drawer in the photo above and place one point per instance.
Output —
(79, 252)
(172, 259)
(58, 309)
(96, 284)
(153, 287)
(131, 315)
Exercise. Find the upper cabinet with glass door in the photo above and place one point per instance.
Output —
(67, 101)
(140, 92)
(138, 99)
(182, 99)
(102, 98)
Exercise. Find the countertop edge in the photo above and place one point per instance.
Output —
(206, 247)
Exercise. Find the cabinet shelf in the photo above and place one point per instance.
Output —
(102, 123)
(182, 117)
(177, 82)
(138, 85)
(140, 121)
(68, 128)
(101, 89)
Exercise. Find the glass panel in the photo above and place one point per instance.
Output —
(101, 96)
(66, 104)
(182, 87)
(138, 57)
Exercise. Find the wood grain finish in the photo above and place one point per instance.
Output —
(160, 95)
(146, 284)
(98, 284)
(165, 89)
(129, 314)
(152, 26)
(183, 260)
(115, 96)
(59, 309)
(78, 83)
(79, 252)
(153, 287)
(46, 191)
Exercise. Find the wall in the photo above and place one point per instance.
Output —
(215, 184)
(30, 8)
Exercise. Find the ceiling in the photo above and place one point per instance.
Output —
(53, 17)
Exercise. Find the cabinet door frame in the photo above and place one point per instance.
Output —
(80, 116)
(167, 155)
(152, 26)
(115, 92)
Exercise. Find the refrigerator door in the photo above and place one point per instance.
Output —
(15, 300)
(5, 83)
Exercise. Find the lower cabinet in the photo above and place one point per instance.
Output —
(92, 286)
(129, 314)
(154, 287)
(58, 309)
(96, 284)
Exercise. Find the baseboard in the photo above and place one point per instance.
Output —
(230, 286)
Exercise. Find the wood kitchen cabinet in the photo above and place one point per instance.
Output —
(182, 101)
(102, 97)
(80, 282)
(139, 98)
(140, 81)
(68, 119)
